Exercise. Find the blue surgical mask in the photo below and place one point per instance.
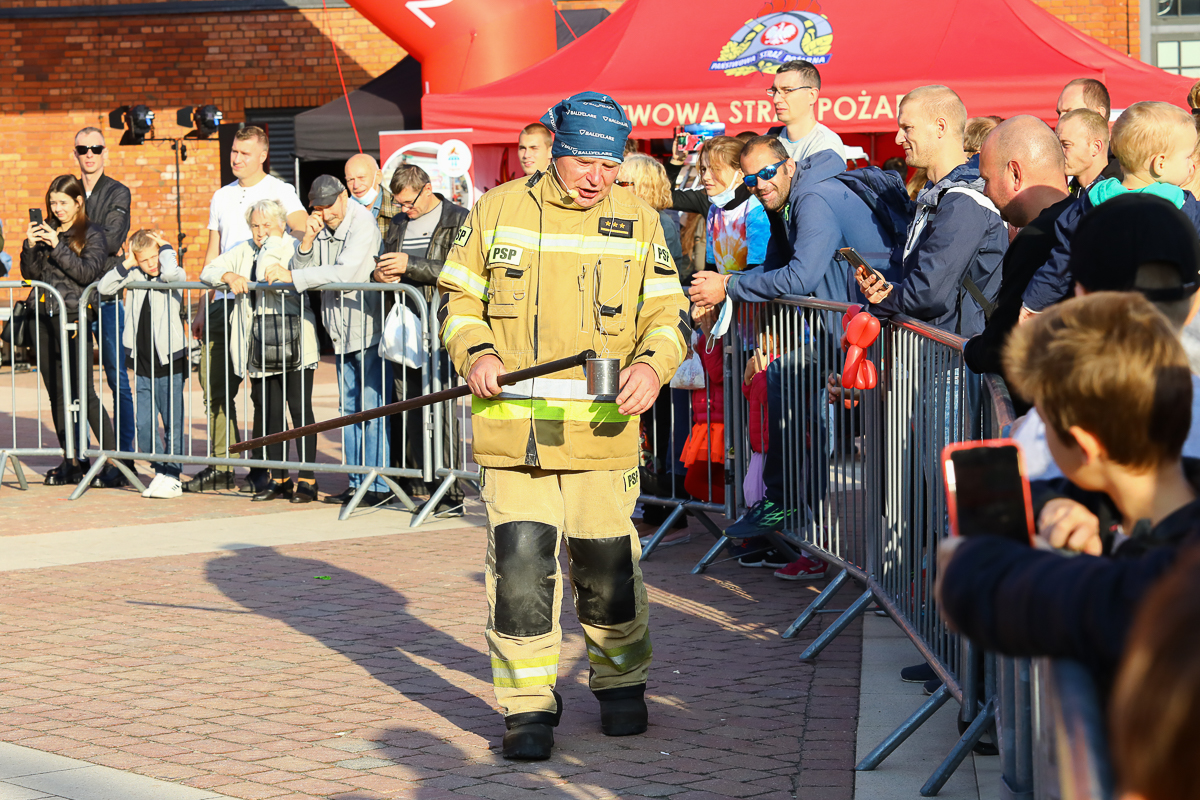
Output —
(726, 196)
(368, 199)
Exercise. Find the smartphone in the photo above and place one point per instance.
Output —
(35, 216)
(987, 492)
(861, 268)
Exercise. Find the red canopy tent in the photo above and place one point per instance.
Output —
(673, 62)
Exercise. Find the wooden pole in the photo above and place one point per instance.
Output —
(414, 402)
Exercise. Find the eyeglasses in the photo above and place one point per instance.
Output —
(82, 149)
(409, 205)
(626, 184)
(785, 91)
(766, 173)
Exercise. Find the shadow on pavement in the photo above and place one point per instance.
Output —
(363, 620)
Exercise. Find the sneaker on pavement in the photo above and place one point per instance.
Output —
(157, 479)
(769, 557)
(932, 685)
(918, 673)
(802, 569)
(765, 516)
(167, 489)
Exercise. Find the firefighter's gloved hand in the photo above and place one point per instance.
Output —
(639, 389)
(483, 378)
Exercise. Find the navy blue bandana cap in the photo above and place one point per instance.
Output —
(588, 125)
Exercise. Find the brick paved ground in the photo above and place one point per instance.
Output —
(246, 673)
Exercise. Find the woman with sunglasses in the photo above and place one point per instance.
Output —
(68, 253)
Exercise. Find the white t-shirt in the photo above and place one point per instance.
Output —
(227, 211)
(1030, 433)
(818, 139)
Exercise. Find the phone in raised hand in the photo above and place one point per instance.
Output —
(862, 270)
(35, 216)
(987, 493)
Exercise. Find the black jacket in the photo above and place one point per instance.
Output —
(1028, 251)
(424, 271)
(67, 272)
(108, 206)
(1024, 602)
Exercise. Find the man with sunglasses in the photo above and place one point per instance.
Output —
(794, 94)
(812, 215)
(107, 205)
(414, 251)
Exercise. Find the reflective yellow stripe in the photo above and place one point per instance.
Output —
(455, 324)
(463, 278)
(538, 408)
(540, 671)
(672, 334)
(660, 287)
(622, 659)
(566, 242)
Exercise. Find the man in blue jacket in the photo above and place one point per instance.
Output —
(812, 214)
(950, 274)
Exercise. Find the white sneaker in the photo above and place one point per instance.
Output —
(158, 478)
(165, 488)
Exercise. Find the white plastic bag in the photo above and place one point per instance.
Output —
(690, 374)
(402, 341)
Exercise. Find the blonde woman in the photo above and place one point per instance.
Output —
(647, 178)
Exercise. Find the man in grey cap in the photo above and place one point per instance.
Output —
(340, 242)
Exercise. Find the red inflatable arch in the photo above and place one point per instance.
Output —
(462, 44)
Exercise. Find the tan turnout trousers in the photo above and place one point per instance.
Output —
(529, 511)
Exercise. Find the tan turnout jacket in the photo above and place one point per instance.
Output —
(533, 277)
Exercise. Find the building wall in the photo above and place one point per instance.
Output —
(1113, 22)
(59, 75)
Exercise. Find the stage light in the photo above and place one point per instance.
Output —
(139, 120)
(205, 119)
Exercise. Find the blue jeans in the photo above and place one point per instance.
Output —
(161, 396)
(109, 326)
(361, 378)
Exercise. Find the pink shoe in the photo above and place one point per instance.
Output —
(802, 569)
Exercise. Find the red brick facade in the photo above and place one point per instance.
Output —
(59, 75)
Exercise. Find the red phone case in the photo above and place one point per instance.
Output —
(951, 503)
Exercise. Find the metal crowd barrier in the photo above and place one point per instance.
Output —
(861, 487)
(1070, 745)
(22, 436)
(365, 381)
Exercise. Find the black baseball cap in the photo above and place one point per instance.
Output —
(325, 191)
(1120, 235)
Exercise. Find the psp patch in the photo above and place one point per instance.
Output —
(462, 237)
(630, 479)
(505, 254)
(617, 228)
(662, 255)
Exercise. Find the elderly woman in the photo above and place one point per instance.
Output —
(273, 342)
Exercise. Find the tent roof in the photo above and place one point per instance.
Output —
(391, 101)
(1003, 57)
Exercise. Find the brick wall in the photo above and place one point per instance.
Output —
(1113, 22)
(59, 75)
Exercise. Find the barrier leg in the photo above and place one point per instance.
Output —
(400, 494)
(429, 505)
(130, 474)
(783, 546)
(838, 625)
(974, 733)
(363, 487)
(816, 605)
(898, 736)
(723, 541)
(662, 531)
(18, 470)
(86, 483)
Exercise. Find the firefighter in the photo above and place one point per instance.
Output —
(545, 267)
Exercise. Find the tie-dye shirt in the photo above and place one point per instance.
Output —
(737, 238)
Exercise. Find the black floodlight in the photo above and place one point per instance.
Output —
(139, 120)
(205, 119)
